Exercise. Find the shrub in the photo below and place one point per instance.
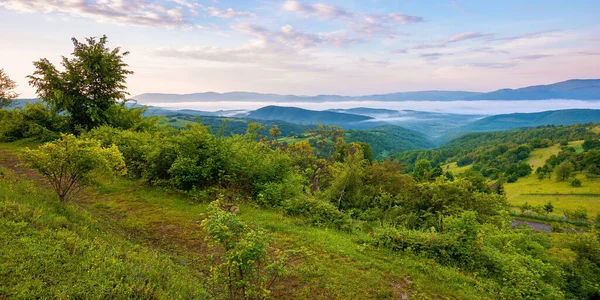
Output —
(241, 264)
(575, 182)
(35, 121)
(133, 145)
(318, 212)
(70, 163)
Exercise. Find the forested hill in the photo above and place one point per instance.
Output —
(520, 120)
(235, 125)
(518, 136)
(477, 142)
(308, 117)
(388, 139)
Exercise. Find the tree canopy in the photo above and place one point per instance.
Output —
(92, 82)
(6, 89)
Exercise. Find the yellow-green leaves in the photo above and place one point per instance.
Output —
(70, 163)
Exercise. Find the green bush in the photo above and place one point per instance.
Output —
(243, 264)
(319, 213)
(35, 121)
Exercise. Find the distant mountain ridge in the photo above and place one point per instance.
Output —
(522, 120)
(576, 89)
(580, 89)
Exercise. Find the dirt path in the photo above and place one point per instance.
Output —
(11, 161)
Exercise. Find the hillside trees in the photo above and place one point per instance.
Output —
(6, 89)
(564, 171)
(93, 81)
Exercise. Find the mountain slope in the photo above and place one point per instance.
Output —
(309, 117)
(519, 120)
(583, 89)
(388, 139)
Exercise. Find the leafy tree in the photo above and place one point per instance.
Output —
(275, 133)
(575, 182)
(548, 207)
(6, 89)
(436, 172)
(578, 213)
(525, 207)
(422, 170)
(93, 81)
(70, 163)
(564, 171)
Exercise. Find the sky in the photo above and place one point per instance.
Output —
(309, 47)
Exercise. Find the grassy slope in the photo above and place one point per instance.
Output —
(454, 168)
(151, 241)
(586, 195)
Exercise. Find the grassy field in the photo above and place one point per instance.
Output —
(123, 239)
(561, 194)
(538, 157)
(454, 168)
(294, 139)
(539, 192)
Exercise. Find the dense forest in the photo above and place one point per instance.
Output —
(456, 227)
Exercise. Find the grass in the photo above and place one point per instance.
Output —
(577, 145)
(538, 157)
(294, 139)
(123, 239)
(50, 250)
(454, 168)
(539, 192)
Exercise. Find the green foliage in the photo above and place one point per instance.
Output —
(425, 205)
(6, 89)
(241, 266)
(318, 213)
(575, 182)
(35, 121)
(70, 163)
(516, 261)
(90, 85)
(564, 171)
(422, 170)
(388, 139)
(577, 214)
(50, 250)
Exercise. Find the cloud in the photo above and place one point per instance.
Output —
(502, 65)
(364, 24)
(290, 37)
(488, 50)
(527, 35)
(459, 37)
(532, 57)
(586, 53)
(228, 13)
(321, 10)
(433, 56)
(123, 12)
(285, 49)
